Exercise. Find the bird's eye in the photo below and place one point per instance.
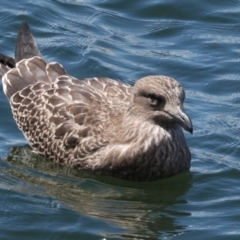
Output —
(151, 96)
(153, 99)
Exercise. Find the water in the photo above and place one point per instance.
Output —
(195, 42)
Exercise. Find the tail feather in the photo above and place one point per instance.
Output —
(6, 63)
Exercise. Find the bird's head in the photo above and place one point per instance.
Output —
(162, 99)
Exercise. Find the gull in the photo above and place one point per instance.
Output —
(97, 124)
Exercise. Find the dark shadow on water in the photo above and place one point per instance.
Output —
(142, 210)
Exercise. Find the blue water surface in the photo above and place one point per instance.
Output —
(195, 42)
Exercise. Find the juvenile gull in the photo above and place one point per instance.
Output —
(98, 124)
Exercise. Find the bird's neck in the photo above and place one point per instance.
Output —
(149, 152)
(142, 149)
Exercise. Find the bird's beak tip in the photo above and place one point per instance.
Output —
(186, 123)
(190, 130)
(182, 118)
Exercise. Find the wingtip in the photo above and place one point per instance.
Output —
(24, 26)
(26, 46)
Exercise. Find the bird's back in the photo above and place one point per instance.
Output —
(55, 109)
(59, 115)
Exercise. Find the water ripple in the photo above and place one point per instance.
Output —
(195, 42)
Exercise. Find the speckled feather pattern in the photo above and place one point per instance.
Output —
(98, 124)
(86, 124)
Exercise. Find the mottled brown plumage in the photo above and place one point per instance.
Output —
(98, 124)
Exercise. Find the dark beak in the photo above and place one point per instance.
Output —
(182, 118)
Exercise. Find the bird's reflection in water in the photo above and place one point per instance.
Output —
(142, 210)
